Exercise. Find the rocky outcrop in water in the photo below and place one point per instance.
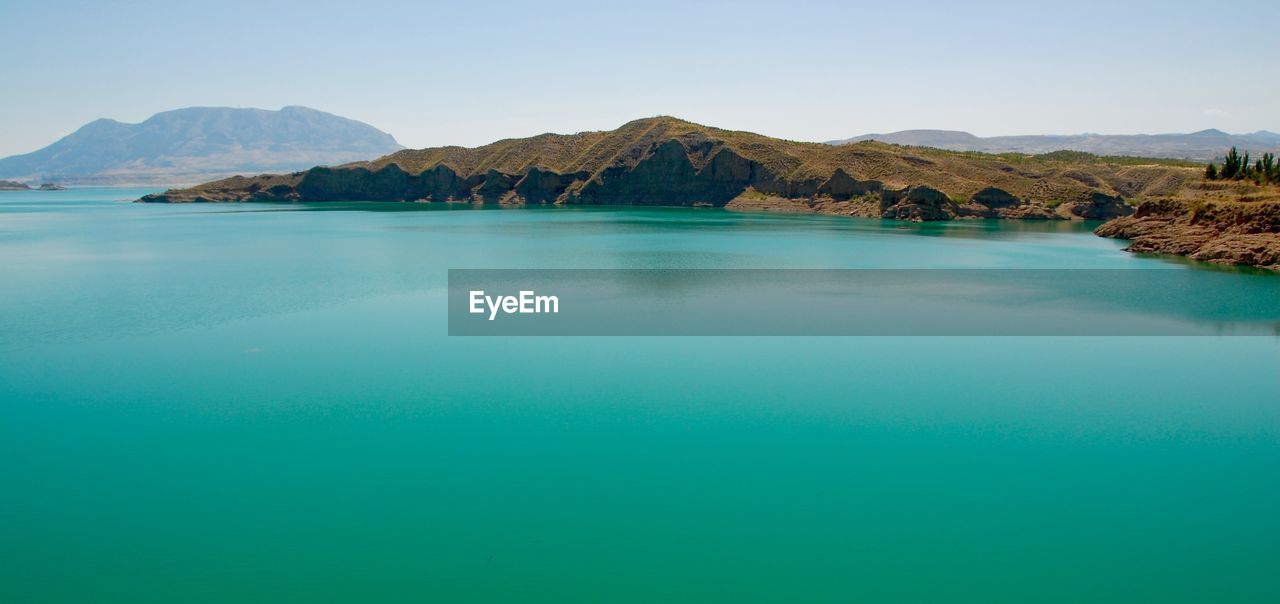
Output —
(9, 185)
(917, 203)
(1245, 233)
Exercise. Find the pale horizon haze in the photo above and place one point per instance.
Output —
(470, 73)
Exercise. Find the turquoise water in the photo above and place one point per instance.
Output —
(259, 403)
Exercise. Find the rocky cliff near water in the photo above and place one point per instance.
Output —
(669, 162)
(1225, 232)
(9, 185)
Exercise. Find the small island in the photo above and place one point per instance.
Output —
(13, 185)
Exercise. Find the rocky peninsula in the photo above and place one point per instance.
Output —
(1225, 232)
(671, 162)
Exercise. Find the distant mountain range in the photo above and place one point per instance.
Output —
(198, 144)
(1206, 145)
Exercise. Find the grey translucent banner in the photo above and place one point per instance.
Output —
(979, 302)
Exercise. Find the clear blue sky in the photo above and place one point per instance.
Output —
(472, 72)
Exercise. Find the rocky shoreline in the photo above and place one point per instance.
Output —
(838, 195)
(925, 204)
(1239, 233)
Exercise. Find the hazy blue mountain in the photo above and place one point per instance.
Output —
(199, 143)
(1265, 135)
(1202, 146)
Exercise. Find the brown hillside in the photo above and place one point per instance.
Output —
(667, 161)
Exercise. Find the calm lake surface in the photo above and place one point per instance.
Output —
(260, 403)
